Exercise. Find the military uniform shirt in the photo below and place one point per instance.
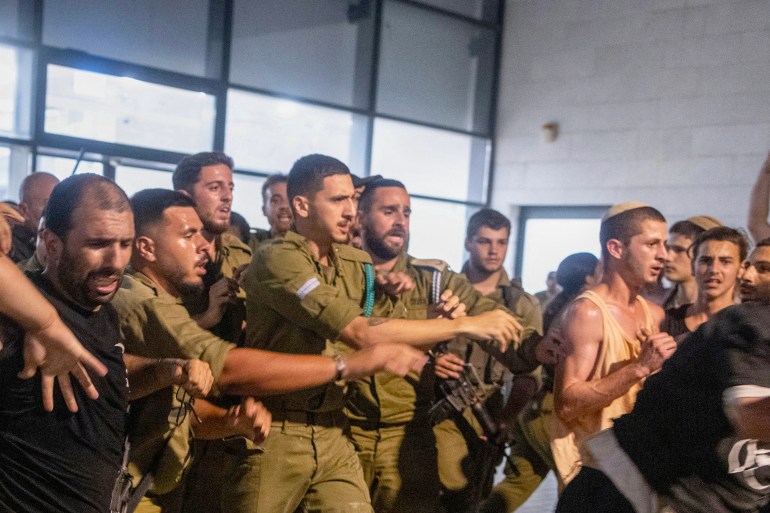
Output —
(257, 238)
(296, 305)
(156, 324)
(492, 365)
(389, 399)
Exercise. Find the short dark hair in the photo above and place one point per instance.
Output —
(366, 199)
(722, 234)
(625, 225)
(150, 204)
(188, 171)
(489, 218)
(764, 242)
(72, 191)
(240, 222)
(270, 181)
(306, 176)
(686, 228)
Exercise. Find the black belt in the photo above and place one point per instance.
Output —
(311, 418)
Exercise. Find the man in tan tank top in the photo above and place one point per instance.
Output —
(609, 338)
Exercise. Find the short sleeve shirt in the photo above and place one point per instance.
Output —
(62, 461)
(678, 433)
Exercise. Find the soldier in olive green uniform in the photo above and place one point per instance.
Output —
(156, 325)
(466, 462)
(304, 292)
(275, 207)
(389, 415)
(308, 440)
(220, 306)
(168, 258)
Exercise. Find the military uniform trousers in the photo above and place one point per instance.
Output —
(466, 463)
(531, 453)
(170, 502)
(308, 466)
(400, 466)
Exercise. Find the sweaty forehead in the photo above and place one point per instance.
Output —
(182, 218)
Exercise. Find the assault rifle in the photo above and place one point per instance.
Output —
(462, 392)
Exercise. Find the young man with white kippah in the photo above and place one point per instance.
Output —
(609, 335)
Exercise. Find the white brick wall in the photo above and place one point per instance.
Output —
(664, 101)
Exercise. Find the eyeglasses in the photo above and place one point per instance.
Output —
(186, 402)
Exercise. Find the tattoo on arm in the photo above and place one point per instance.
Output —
(376, 321)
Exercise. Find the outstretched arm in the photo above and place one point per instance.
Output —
(496, 325)
(758, 204)
(49, 345)
(259, 373)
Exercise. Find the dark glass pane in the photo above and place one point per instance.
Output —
(435, 69)
(319, 49)
(171, 34)
(16, 19)
(485, 10)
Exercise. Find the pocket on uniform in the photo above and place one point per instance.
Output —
(242, 446)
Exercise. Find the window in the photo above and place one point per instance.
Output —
(485, 10)
(435, 69)
(549, 234)
(437, 230)
(247, 199)
(14, 166)
(15, 91)
(319, 50)
(170, 34)
(62, 166)
(16, 19)
(268, 134)
(124, 110)
(134, 179)
(431, 162)
(5, 172)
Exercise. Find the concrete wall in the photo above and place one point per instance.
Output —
(662, 101)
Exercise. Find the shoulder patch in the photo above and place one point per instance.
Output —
(348, 252)
(433, 264)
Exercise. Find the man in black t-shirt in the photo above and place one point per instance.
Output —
(62, 461)
(698, 437)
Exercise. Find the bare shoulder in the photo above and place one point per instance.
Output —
(580, 311)
(581, 325)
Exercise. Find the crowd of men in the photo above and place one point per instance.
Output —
(157, 355)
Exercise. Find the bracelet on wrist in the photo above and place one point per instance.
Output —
(340, 366)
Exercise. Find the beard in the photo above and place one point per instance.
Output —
(378, 247)
(70, 275)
